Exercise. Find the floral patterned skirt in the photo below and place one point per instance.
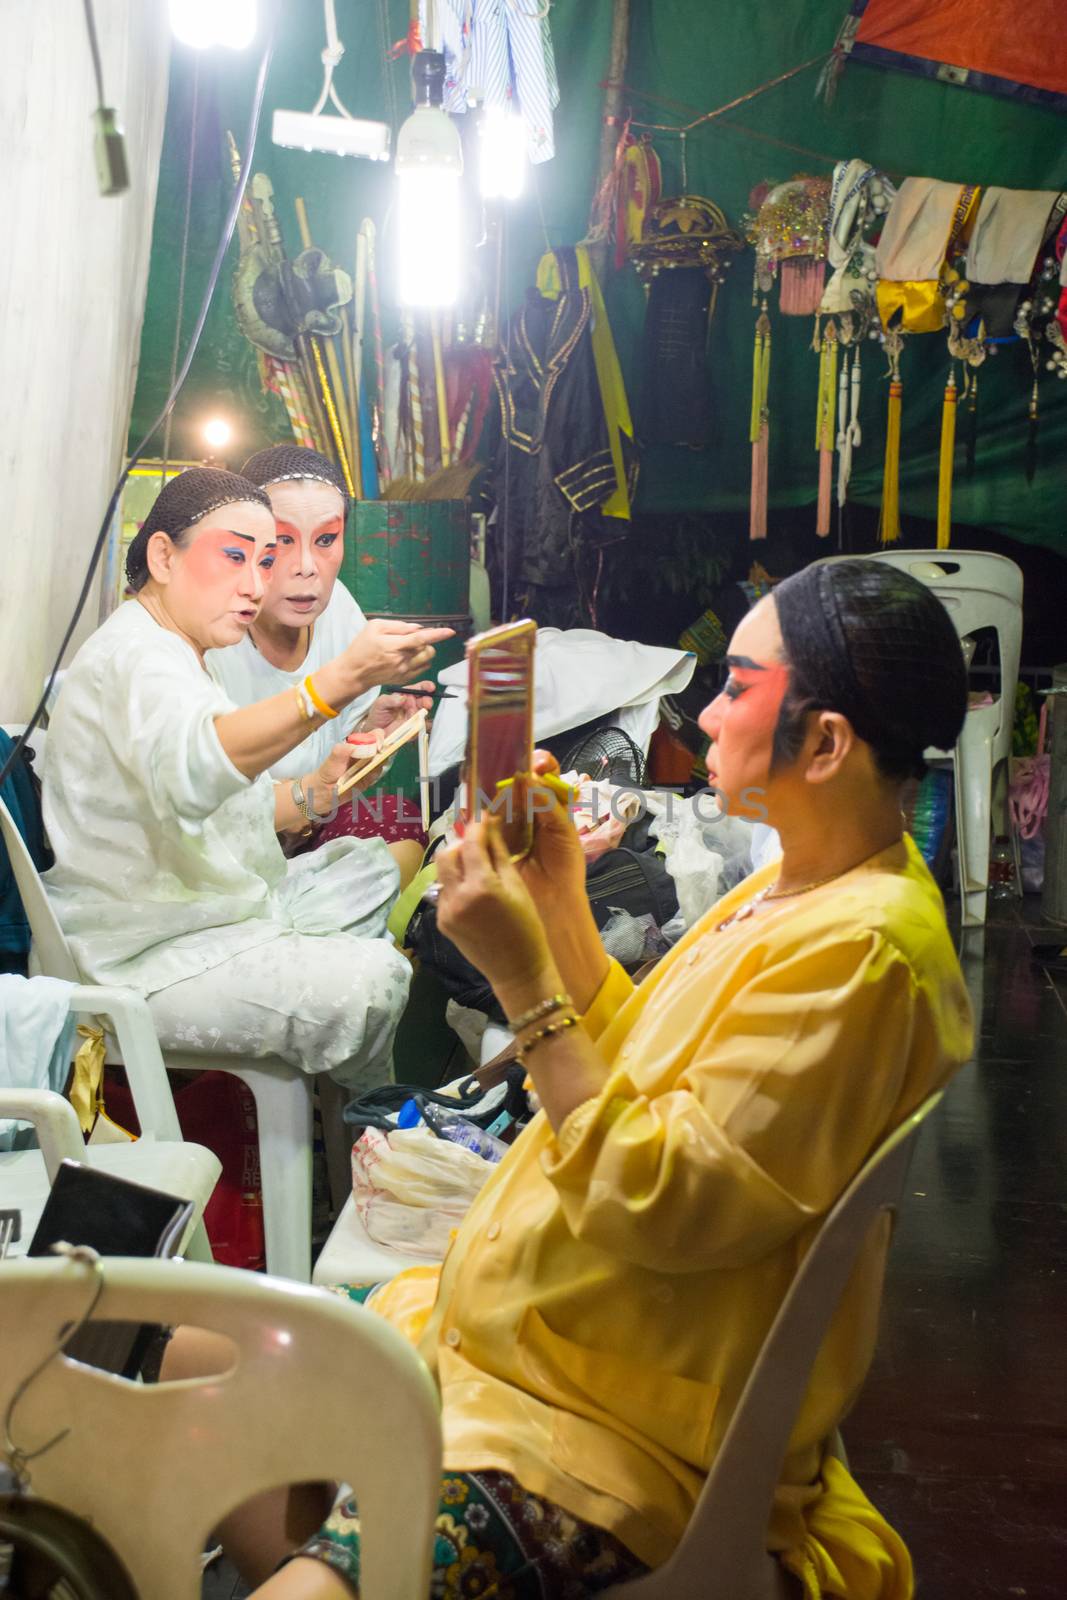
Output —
(494, 1541)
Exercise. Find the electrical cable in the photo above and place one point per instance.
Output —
(168, 406)
(94, 51)
(179, 314)
(505, 530)
(384, 36)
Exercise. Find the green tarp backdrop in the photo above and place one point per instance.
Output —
(686, 56)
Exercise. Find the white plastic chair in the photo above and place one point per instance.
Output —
(283, 1094)
(979, 590)
(160, 1158)
(320, 1389)
(723, 1553)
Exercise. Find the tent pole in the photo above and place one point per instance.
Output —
(609, 132)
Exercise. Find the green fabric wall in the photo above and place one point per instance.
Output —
(698, 53)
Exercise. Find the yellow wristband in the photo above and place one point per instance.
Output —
(306, 709)
(317, 701)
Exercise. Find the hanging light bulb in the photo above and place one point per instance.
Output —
(429, 166)
(503, 156)
(217, 433)
(203, 23)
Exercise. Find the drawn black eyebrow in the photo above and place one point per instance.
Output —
(746, 663)
(233, 533)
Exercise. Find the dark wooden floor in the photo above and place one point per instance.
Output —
(960, 1436)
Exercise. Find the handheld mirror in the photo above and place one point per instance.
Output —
(500, 731)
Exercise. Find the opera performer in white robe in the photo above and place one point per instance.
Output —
(164, 820)
(307, 617)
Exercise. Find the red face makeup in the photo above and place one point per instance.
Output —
(740, 723)
(216, 582)
(310, 531)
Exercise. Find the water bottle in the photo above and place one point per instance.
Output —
(1001, 870)
(458, 1130)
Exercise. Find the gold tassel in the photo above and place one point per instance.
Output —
(889, 522)
(759, 425)
(948, 456)
(826, 425)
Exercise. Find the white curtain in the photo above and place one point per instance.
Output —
(73, 274)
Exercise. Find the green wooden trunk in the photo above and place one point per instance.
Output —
(411, 559)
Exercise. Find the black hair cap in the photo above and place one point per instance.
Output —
(874, 643)
(185, 500)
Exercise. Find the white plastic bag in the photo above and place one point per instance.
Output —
(412, 1190)
(706, 852)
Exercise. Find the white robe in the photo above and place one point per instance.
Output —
(168, 871)
(579, 675)
(247, 676)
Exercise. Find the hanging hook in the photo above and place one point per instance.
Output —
(17, 1458)
(682, 137)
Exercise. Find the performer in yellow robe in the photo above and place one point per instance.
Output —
(595, 1321)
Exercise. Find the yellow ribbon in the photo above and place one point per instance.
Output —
(87, 1088)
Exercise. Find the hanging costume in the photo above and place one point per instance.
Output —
(555, 469)
(499, 52)
(609, 375)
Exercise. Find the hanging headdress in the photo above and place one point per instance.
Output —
(860, 196)
(683, 255)
(787, 226)
(1011, 230)
(926, 229)
(685, 230)
(1042, 320)
(789, 234)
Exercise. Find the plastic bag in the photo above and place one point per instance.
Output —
(706, 853)
(632, 940)
(412, 1190)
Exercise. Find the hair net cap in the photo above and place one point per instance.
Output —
(872, 642)
(181, 503)
(282, 462)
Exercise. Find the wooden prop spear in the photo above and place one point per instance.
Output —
(331, 387)
(609, 132)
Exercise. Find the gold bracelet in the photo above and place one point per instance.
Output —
(549, 1031)
(317, 701)
(302, 701)
(543, 1008)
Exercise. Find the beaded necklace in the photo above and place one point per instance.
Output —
(770, 892)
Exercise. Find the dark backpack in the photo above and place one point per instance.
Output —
(636, 881)
(21, 793)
